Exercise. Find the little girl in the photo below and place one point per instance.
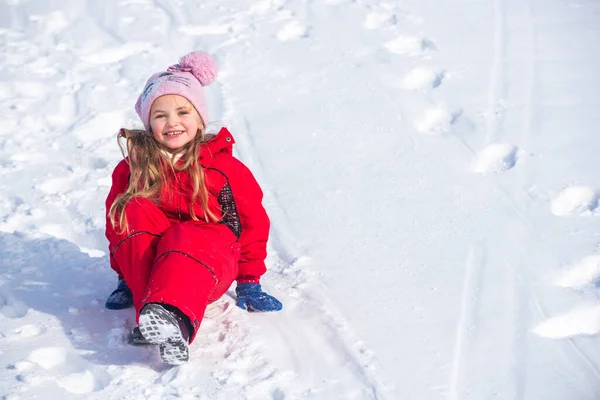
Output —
(184, 217)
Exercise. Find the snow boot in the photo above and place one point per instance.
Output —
(136, 338)
(120, 298)
(168, 328)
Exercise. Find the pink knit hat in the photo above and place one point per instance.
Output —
(195, 70)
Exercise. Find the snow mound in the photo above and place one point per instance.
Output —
(583, 273)
(496, 157)
(434, 120)
(375, 20)
(584, 320)
(575, 200)
(409, 45)
(293, 30)
(422, 78)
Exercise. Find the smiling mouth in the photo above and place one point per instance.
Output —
(173, 134)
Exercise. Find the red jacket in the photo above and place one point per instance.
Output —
(231, 187)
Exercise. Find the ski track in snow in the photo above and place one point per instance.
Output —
(577, 200)
(571, 201)
(497, 157)
(484, 280)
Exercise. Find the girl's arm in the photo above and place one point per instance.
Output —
(255, 224)
(120, 182)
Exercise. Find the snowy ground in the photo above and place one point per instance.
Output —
(430, 168)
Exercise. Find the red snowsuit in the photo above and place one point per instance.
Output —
(166, 257)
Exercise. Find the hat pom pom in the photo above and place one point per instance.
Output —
(202, 65)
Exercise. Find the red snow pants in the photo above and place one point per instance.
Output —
(185, 264)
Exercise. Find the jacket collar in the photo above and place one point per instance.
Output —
(221, 143)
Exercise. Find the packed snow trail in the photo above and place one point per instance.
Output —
(429, 168)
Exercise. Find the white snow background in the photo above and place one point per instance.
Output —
(431, 170)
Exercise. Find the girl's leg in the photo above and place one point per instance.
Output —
(135, 250)
(194, 264)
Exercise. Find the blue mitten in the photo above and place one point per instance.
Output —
(251, 297)
(121, 297)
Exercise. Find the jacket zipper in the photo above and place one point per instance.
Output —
(179, 200)
(176, 177)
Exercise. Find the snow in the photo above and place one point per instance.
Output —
(497, 157)
(584, 272)
(430, 169)
(575, 200)
(422, 78)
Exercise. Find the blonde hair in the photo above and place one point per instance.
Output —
(150, 167)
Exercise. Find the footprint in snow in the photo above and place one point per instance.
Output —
(57, 185)
(100, 127)
(435, 120)
(584, 320)
(30, 89)
(25, 332)
(409, 45)
(422, 78)
(205, 30)
(49, 357)
(497, 157)
(67, 370)
(22, 366)
(30, 158)
(293, 30)
(583, 273)
(575, 200)
(375, 20)
(116, 54)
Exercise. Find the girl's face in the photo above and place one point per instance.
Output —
(174, 121)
